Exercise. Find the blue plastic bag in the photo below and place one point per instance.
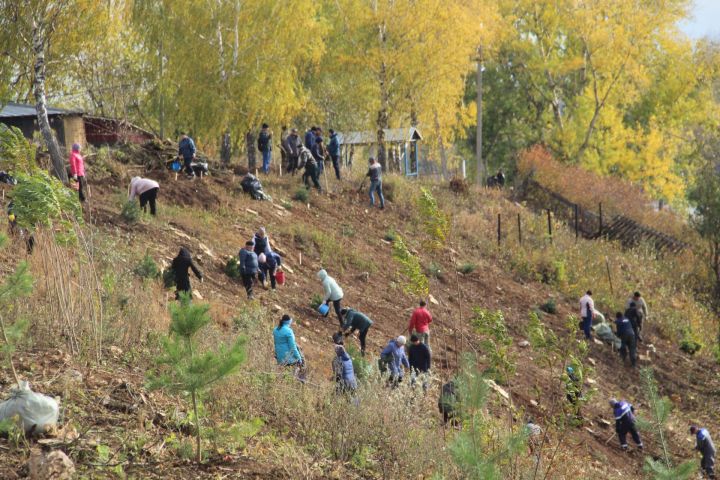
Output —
(176, 166)
(323, 309)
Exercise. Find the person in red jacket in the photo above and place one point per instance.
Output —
(77, 170)
(420, 323)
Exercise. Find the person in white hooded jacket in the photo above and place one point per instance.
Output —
(146, 189)
(332, 293)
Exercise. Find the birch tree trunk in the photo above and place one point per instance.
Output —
(250, 146)
(225, 149)
(480, 166)
(382, 120)
(39, 39)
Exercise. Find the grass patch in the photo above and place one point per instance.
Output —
(302, 194)
(467, 268)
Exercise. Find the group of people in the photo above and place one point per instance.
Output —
(629, 324)
(310, 154)
(629, 327)
(258, 262)
(395, 358)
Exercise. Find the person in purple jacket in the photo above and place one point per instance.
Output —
(625, 422)
(705, 445)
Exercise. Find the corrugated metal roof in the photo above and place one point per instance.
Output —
(392, 135)
(13, 109)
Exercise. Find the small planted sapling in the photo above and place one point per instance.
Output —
(183, 369)
(15, 286)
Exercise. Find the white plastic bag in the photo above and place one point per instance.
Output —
(38, 412)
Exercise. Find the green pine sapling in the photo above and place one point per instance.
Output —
(182, 368)
(18, 284)
(660, 408)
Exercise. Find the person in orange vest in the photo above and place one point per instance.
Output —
(420, 323)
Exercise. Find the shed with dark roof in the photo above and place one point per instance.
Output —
(67, 124)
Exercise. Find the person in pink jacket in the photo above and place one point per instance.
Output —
(146, 189)
(77, 170)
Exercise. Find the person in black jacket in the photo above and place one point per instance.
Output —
(448, 403)
(627, 336)
(634, 314)
(181, 265)
(419, 358)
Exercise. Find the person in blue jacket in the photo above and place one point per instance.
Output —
(705, 445)
(286, 350)
(186, 150)
(262, 242)
(248, 267)
(393, 357)
(625, 422)
(343, 370)
(626, 333)
(309, 139)
(268, 263)
(334, 151)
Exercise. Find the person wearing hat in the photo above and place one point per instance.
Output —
(261, 242)
(343, 371)
(264, 144)
(354, 320)
(286, 349)
(375, 174)
(334, 152)
(625, 422)
(332, 293)
(77, 170)
(307, 160)
(268, 265)
(393, 357)
(248, 266)
(291, 145)
(705, 445)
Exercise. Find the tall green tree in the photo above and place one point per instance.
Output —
(183, 368)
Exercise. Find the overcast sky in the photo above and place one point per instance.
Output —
(705, 21)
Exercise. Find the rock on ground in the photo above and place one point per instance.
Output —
(54, 465)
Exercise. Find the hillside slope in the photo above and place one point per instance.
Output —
(336, 231)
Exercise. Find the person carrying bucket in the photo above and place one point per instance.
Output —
(332, 293)
(268, 264)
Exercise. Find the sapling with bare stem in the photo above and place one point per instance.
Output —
(182, 368)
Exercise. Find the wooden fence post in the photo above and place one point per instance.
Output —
(549, 225)
(576, 221)
(499, 231)
(519, 230)
(607, 266)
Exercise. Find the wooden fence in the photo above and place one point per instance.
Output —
(591, 224)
